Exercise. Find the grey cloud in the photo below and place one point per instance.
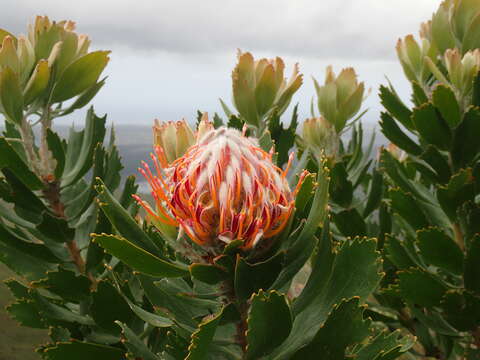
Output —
(340, 28)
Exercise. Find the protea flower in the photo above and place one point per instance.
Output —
(223, 188)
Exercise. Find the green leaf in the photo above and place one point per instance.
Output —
(269, 310)
(17, 289)
(432, 127)
(444, 100)
(465, 143)
(152, 319)
(472, 270)
(396, 252)
(67, 284)
(202, 338)
(393, 133)
(418, 94)
(265, 141)
(460, 189)
(265, 90)
(249, 278)
(476, 90)
(407, 207)
(23, 258)
(175, 297)
(59, 334)
(135, 345)
(470, 40)
(375, 193)
(122, 221)
(341, 189)
(350, 223)
(56, 312)
(105, 311)
(344, 327)
(11, 97)
(209, 274)
(38, 82)
(9, 158)
(462, 309)
(302, 244)
(438, 249)
(434, 321)
(284, 138)
(27, 204)
(355, 266)
(421, 288)
(81, 147)
(395, 106)
(77, 350)
(4, 33)
(56, 228)
(225, 108)
(57, 146)
(304, 195)
(26, 313)
(438, 162)
(385, 346)
(84, 98)
(80, 75)
(137, 258)
(321, 265)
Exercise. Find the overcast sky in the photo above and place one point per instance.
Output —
(170, 58)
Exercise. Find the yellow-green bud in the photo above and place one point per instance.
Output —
(320, 135)
(396, 152)
(461, 72)
(340, 98)
(174, 138)
(259, 87)
(412, 55)
(456, 24)
(52, 53)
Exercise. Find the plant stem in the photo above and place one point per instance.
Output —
(52, 195)
(29, 145)
(459, 236)
(242, 307)
(45, 156)
(242, 326)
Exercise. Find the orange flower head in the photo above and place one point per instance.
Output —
(223, 188)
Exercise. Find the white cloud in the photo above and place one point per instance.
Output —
(171, 58)
(346, 28)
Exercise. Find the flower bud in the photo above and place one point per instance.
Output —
(412, 55)
(320, 135)
(173, 137)
(204, 126)
(461, 72)
(456, 24)
(59, 46)
(340, 98)
(396, 152)
(259, 87)
(224, 188)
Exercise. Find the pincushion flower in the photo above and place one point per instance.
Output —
(223, 188)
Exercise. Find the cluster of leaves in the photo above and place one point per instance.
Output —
(432, 248)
